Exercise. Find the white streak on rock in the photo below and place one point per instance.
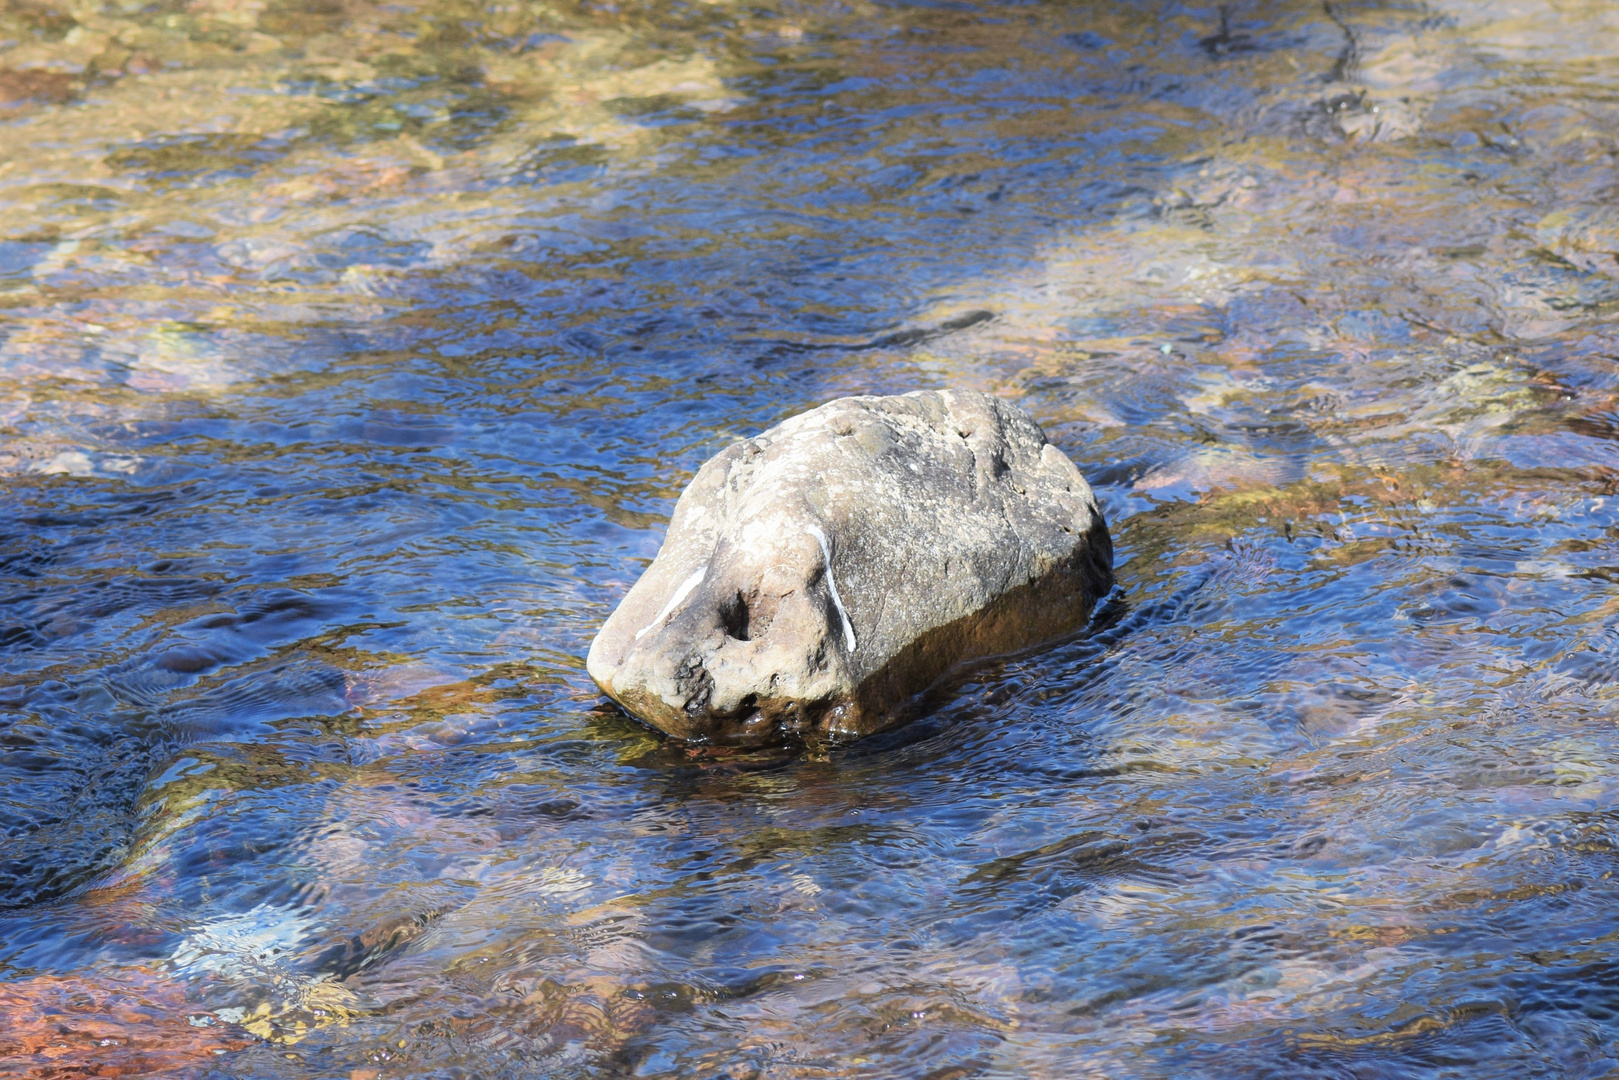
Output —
(681, 593)
(832, 587)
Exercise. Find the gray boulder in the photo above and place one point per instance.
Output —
(818, 575)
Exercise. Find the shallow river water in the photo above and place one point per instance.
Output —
(352, 355)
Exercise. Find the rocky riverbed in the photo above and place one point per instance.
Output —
(353, 357)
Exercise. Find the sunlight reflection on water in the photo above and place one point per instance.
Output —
(353, 355)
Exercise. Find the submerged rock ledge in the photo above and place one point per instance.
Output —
(816, 576)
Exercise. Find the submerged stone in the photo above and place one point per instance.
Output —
(818, 575)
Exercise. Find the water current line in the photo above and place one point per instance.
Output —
(832, 586)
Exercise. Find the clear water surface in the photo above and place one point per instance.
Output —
(352, 355)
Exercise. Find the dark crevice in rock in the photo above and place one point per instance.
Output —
(734, 618)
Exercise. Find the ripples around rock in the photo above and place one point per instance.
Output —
(352, 360)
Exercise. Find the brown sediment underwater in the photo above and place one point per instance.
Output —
(352, 360)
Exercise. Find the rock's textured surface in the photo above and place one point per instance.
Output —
(821, 573)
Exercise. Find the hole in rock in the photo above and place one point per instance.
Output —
(734, 617)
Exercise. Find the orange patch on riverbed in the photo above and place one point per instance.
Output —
(140, 1025)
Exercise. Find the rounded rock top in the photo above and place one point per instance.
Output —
(818, 575)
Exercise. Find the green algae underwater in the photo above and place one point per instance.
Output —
(352, 355)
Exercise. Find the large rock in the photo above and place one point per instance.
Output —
(819, 574)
